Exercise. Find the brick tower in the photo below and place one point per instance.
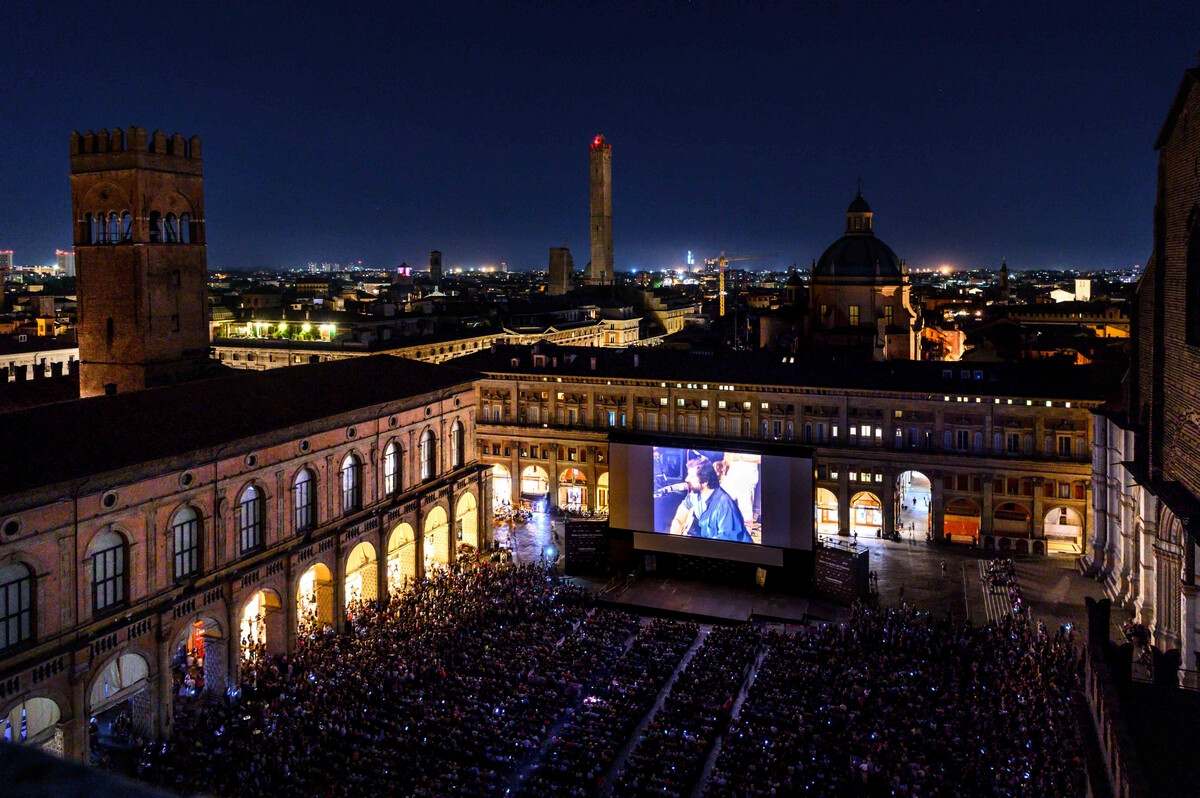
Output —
(137, 203)
(435, 267)
(600, 271)
(561, 269)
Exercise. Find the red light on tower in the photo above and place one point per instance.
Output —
(599, 143)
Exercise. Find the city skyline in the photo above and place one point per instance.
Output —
(978, 134)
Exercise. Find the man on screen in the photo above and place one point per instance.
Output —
(708, 511)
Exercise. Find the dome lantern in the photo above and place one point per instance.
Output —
(858, 217)
(858, 254)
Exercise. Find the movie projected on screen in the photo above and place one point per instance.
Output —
(702, 493)
(710, 497)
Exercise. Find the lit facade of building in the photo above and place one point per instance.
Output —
(233, 347)
(1006, 449)
(211, 529)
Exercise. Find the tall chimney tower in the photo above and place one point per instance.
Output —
(600, 271)
(435, 267)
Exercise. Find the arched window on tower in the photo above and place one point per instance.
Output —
(185, 229)
(171, 229)
(126, 227)
(156, 227)
(89, 224)
(114, 228)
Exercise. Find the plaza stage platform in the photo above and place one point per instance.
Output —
(706, 602)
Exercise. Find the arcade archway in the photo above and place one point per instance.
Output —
(1011, 520)
(198, 659)
(1064, 531)
(466, 521)
(402, 557)
(314, 599)
(914, 495)
(866, 514)
(34, 722)
(960, 522)
(602, 493)
(262, 630)
(826, 514)
(572, 490)
(119, 701)
(535, 487)
(362, 575)
(437, 540)
(501, 487)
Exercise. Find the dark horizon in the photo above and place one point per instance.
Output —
(370, 133)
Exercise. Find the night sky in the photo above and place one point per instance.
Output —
(355, 131)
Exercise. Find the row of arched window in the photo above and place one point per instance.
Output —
(109, 551)
(118, 229)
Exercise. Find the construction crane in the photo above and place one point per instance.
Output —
(721, 261)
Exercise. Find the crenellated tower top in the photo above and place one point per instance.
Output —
(133, 148)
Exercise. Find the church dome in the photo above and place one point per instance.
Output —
(858, 254)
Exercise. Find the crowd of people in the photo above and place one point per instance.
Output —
(450, 688)
(671, 754)
(897, 703)
(583, 752)
(502, 679)
(1001, 576)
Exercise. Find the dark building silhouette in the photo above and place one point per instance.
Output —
(562, 266)
(435, 267)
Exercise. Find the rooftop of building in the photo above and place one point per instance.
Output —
(13, 345)
(1080, 308)
(72, 440)
(23, 394)
(1032, 380)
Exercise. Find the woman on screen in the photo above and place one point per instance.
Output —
(708, 511)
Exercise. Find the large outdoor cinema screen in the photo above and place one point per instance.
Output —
(689, 494)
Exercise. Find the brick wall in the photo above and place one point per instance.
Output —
(1179, 192)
